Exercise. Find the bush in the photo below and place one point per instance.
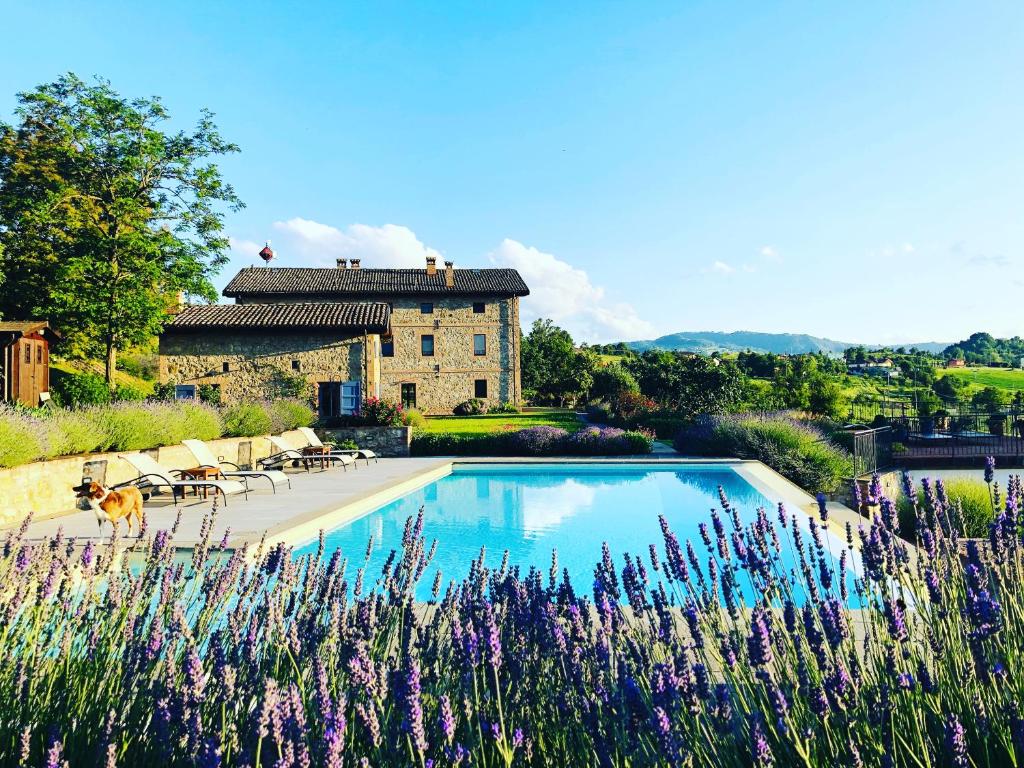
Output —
(290, 414)
(73, 390)
(71, 432)
(380, 413)
(541, 440)
(506, 407)
(799, 452)
(247, 420)
(970, 500)
(471, 407)
(20, 437)
(124, 393)
(413, 417)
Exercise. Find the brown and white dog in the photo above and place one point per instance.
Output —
(110, 505)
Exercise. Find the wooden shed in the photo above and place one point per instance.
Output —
(25, 357)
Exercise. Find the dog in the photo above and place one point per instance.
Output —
(111, 505)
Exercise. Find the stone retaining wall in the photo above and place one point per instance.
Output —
(384, 441)
(44, 487)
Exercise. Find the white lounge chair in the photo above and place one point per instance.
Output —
(283, 455)
(205, 457)
(155, 475)
(359, 453)
(284, 446)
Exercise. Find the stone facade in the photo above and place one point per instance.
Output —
(384, 441)
(449, 377)
(250, 364)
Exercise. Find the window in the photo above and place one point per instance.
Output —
(186, 392)
(295, 365)
(387, 346)
(39, 354)
(479, 307)
(426, 308)
(337, 398)
(479, 344)
(408, 395)
(28, 352)
(427, 345)
(480, 388)
(226, 367)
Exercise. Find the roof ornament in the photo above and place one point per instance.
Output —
(266, 254)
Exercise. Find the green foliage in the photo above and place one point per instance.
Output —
(20, 437)
(950, 387)
(554, 371)
(611, 382)
(826, 398)
(123, 392)
(208, 393)
(290, 414)
(413, 417)
(104, 217)
(70, 432)
(540, 440)
(141, 365)
(797, 451)
(983, 348)
(74, 390)
(691, 385)
(471, 407)
(506, 407)
(972, 503)
(247, 420)
(990, 399)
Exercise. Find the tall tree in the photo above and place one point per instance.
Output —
(105, 217)
(554, 371)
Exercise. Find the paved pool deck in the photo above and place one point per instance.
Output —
(325, 499)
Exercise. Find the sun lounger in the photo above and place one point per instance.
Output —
(155, 475)
(359, 453)
(309, 454)
(206, 458)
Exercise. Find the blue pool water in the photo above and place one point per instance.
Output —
(533, 509)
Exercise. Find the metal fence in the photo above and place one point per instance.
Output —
(872, 450)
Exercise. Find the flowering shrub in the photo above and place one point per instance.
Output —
(247, 419)
(380, 413)
(290, 413)
(413, 417)
(541, 440)
(797, 451)
(973, 498)
(694, 653)
(507, 407)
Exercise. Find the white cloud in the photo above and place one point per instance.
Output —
(719, 268)
(390, 245)
(565, 294)
(770, 253)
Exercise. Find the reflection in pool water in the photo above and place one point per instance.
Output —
(531, 510)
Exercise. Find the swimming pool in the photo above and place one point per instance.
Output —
(532, 509)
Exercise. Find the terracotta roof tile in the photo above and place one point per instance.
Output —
(375, 317)
(374, 282)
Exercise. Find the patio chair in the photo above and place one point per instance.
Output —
(154, 475)
(282, 456)
(205, 457)
(305, 455)
(359, 453)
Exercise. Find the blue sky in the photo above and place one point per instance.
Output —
(849, 170)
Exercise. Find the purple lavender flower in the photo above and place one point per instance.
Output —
(413, 720)
(761, 750)
(759, 643)
(822, 500)
(956, 744)
(990, 468)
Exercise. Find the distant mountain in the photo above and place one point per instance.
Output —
(706, 342)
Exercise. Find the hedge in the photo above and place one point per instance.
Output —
(534, 441)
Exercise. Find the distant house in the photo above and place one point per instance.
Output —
(428, 338)
(25, 361)
(882, 368)
(956, 362)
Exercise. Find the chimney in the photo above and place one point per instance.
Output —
(342, 263)
(449, 274)
(355, 263)
(431, 265)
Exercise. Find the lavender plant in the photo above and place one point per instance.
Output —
(133, 656)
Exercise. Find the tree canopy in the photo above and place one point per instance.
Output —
(105, 216)
(554, 371)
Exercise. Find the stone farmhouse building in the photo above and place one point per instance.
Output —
(428, 338)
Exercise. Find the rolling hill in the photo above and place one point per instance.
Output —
(707, 342)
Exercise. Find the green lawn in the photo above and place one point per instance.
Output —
(92, 366)
(532, 417)
(1011, 379)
